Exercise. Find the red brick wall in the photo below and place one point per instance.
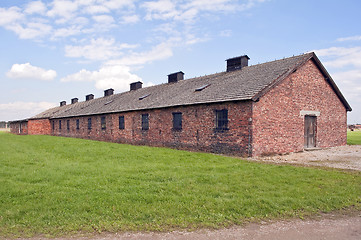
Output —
(39, 127)
(19, 128)
(198, 128)
(278, 126)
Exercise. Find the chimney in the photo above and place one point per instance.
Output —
(74, 100)
(175, 77)
(108, 92)
(237, 63)
(135, 85)
(62, 103)
(89, 97)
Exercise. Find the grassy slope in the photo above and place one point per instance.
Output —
(354, 138)
(53, 185)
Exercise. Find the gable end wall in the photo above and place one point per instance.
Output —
(278, 126)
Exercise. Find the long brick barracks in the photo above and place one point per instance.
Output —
(282, 106)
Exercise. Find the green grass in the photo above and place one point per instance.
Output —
(59, 186)
(354, 137)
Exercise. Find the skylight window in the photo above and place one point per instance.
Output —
(142, 97)
(202, 87)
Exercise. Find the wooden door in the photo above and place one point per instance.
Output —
(310, 132)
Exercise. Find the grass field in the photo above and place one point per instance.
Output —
(59, 186)
(354, 138)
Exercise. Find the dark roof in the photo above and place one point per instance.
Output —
(249, 83)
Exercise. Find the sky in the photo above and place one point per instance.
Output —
(57, 50)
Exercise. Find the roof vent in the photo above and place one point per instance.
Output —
(142, 97)
(108, 102)
(62, 103)
(202, 87)
(175, 77)
(74, 100)
(135, 85)
(89, 97)
(237, 63)
(108, 92)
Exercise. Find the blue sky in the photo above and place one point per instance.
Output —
(56, 50)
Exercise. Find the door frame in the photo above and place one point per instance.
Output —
(310, 131)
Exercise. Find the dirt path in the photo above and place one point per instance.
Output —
(327, 226)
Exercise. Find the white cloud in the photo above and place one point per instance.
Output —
(130, 19)
(98, 49)
(161, 9)
(32, 30)
(349, 84)
(118, 4)
(188, 11)
(21, 110)
(96, 9)
(188, 16)
(35, 7)
(10, 16)
(214, 5)
(63, 8)
(66, 32)
(344, 65)
(27, 71)
(103, 19)
(336, 51)
(159, 52)
(349, 76)
(117, 77)
(353, 38)
(339, 57)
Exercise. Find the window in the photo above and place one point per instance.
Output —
(222, 119)
(89, 123)
(59, 124)
(177, 121)
(121, 122)
(145, 121)
(68, 125)
(103, 123)
(53, 125)
(77, 124)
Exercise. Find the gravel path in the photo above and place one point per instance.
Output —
(343, 157)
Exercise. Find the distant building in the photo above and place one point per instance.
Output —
(281, 106)
(3, 124)
(353, 127)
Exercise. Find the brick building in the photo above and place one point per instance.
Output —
(281, 106)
